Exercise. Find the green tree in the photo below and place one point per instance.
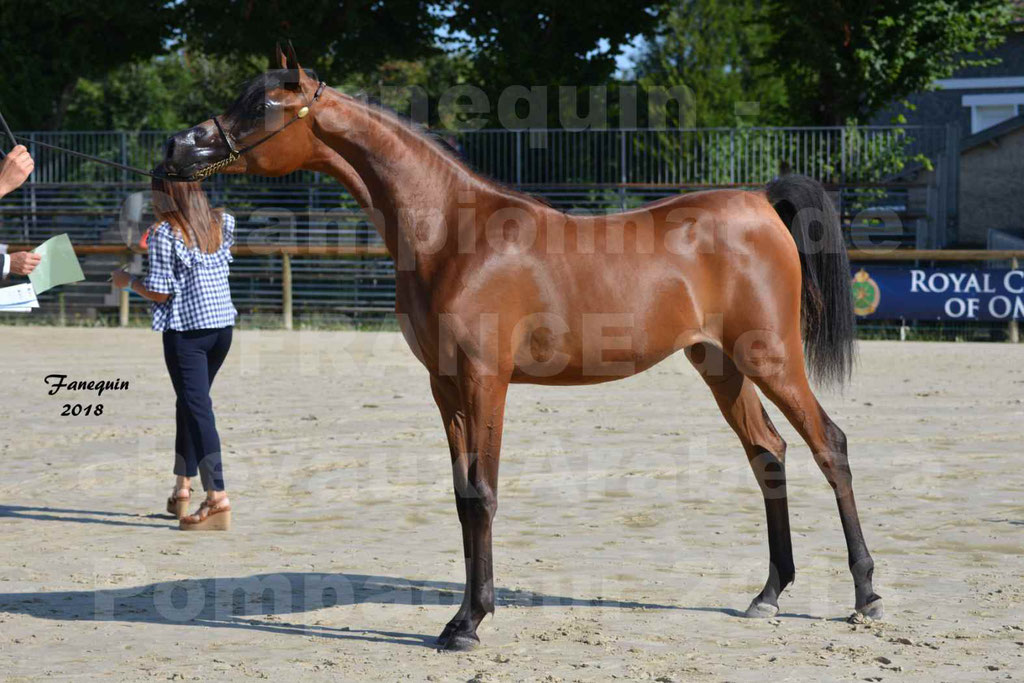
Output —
(545, 43)
(413, 88)
(716, 49)
(845, 60)
(49, 46)
(162, 93)
(336, 37)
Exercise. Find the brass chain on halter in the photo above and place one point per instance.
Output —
(204, 173)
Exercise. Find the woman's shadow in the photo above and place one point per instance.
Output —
(257, 602)
(53, 514)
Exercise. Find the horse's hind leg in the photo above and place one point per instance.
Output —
(787, 387)
(766, 453)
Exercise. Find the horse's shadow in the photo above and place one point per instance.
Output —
(228, 602)
(257, 602)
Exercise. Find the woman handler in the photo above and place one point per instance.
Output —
(187, 281)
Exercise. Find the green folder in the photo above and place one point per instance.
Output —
(59, 265)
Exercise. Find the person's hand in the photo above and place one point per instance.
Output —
(24, 262)
(121, 279)
(14, 169)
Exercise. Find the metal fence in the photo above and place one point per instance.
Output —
(708, 156)
(694, 156)
(872, 170)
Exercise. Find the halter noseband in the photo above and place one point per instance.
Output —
(234, 153)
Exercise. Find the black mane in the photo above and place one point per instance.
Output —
(439, 140)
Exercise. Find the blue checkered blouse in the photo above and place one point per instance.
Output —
(197, 282)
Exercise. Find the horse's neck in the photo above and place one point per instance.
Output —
(406, 184)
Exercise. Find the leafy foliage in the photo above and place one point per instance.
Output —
(135, 64)
(414, 88)
(162, 93)
(336, 37)
(847, 59)
(719, 51)
(48, 47)
(546, 42)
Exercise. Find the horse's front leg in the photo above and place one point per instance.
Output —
(446, 395)
(473, 410)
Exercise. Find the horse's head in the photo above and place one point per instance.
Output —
(269, 123)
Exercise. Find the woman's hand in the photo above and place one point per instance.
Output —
(122, 280)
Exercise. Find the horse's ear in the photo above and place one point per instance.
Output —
(294, 80)
(293, 61)
(279, 57)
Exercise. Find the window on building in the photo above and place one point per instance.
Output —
(989, 109)
(988, 115)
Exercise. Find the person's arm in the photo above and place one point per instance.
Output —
(5, 267)
(159, 284)
(228, 230)
(123, 279)
(14, 169)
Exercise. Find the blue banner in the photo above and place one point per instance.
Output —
(891, 292)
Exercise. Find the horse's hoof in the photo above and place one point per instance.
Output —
(458, 642)
(872, 610)
(761, 610)
(456, 639)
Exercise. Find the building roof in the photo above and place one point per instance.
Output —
(992, 133)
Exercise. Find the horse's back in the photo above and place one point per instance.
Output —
(621, 292)
(584, 299)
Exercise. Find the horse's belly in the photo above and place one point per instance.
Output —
(603, 346)
(612, 367)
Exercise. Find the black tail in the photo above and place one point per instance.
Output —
(827, 300)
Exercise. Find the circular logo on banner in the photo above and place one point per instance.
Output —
(866, 294)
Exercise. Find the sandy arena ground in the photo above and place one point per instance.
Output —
(629, 534)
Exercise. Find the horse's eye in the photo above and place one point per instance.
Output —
(261, 108)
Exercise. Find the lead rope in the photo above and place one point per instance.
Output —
(7, 129)
(123, 167)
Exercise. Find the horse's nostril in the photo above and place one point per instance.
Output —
(169, 148)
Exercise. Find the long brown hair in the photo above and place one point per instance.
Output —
(186, 208)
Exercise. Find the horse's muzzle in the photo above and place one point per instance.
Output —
(187, 151)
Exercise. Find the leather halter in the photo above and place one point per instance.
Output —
(234, 153)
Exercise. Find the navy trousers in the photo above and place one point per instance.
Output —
(193, 359)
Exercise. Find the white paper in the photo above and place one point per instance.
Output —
(18, 299)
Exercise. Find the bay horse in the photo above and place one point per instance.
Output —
(495, 287)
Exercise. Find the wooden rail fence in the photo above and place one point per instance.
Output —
(287, 251)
